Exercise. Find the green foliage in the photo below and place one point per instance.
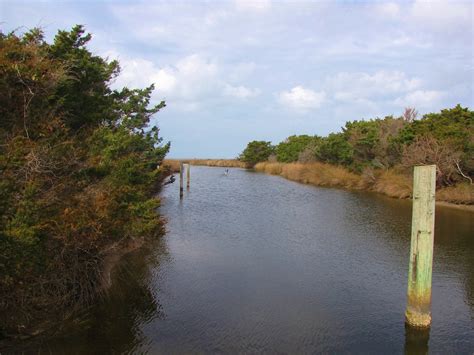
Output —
(445, 139)
(256, 151)
(451, 127)
(336, 149)
(77, 169)
(363, 136)
(290, 149)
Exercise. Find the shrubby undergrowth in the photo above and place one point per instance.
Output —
(77, 172)
(372, 147)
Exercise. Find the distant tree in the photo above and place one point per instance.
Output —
(410, 114)
(363, 137)
(335, 149)
(256, 151)
(451, 127)
(427, 150)
(290, 149)
(387, 151)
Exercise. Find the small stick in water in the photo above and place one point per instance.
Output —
(181, 168)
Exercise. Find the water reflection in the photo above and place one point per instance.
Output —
(114, 326)
(416, 341)
(255, 263)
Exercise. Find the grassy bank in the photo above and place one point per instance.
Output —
(224, 163)
(388, 182)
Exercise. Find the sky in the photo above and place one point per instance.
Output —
(236, 71)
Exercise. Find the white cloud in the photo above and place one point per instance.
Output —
(191, 78)
(242, 70)
(389, 9)
(421, 99)
(253, 5)
(302, 99)
(138, 73)
(442, 14)
(364, 85)
(240, 92)
(187, 84)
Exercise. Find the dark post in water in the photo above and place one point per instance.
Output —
(418, 312)
(181, 168)
(188, 175)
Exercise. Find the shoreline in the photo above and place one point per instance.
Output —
(387, 183)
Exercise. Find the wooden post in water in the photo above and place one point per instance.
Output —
(181, 171)
(188, 175)
(418, 312)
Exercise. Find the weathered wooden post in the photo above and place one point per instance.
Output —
(181, 171)
(418, 312)
(188, 175)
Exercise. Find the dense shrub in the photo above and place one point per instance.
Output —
(290, 149)
(256, 151)
(445, 139)
(77, 171)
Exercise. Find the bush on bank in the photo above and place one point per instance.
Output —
(77, 173)
(371, 148)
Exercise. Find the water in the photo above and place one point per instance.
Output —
(254, 263)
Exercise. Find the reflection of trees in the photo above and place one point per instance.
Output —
(115, 324)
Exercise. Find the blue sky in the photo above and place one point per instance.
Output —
(236, 71)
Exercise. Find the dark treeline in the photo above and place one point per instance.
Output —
(78, 173)
(445, 139)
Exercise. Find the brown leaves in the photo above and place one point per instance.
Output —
(428, 150)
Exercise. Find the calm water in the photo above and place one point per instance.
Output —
(254, 263)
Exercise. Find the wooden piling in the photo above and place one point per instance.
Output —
(181, 190)
(188, 175)
(418, 311)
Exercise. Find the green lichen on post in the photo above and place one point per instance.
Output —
(418, 312)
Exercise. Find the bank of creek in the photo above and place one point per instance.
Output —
(255, 263)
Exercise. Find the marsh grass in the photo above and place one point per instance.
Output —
(459, 194)
(393, 183)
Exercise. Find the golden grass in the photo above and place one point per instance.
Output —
(388, 182)
(393, 184)
(319, 174)
(459, 194)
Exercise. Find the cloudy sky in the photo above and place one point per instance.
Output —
(236, 71)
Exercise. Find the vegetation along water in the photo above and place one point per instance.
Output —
(250, 262)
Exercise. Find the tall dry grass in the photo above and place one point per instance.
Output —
(459, 194)
(392, 183)
(316, 173)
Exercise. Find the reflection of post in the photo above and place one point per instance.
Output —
(181, 168)
(416, 340)
(418, 312)
(188, 175)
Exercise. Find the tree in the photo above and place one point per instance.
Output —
(289, 150)
(256, 151)
(335, 149)
(453, 127)
(77, 171)
(427, 150)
